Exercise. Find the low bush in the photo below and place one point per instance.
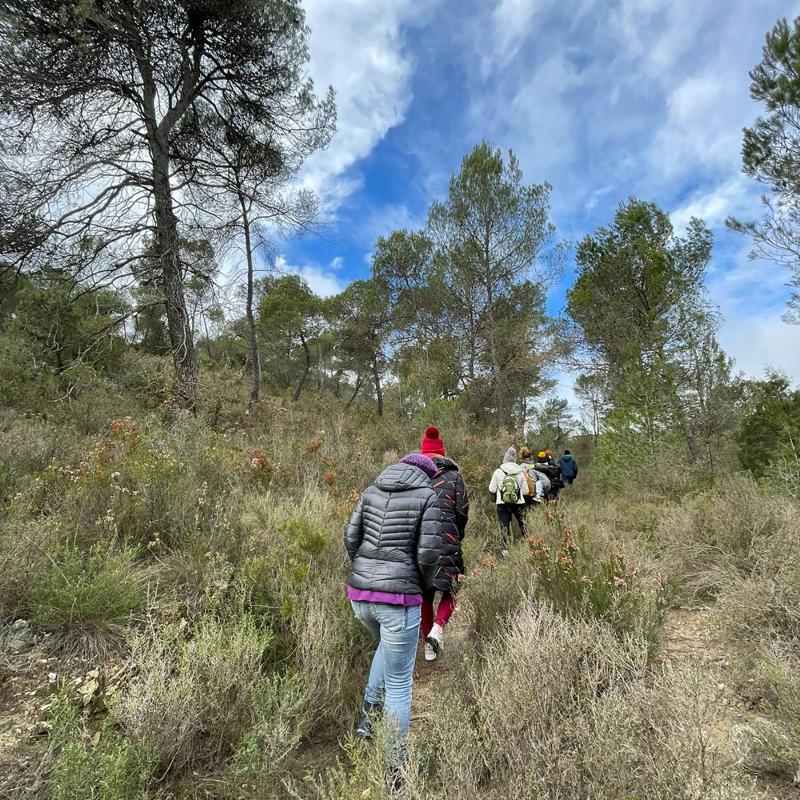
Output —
(490, 593)
(579, 581)
(333, 652)
(710, 536)
(105, 766)
(559, 708)
(281, 720)
(85, 598)
(25, 547)
(196, 687)
(760, 611)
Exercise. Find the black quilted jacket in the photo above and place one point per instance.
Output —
(453, 504)
(394, 538)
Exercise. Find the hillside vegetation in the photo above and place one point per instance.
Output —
(186, 425)
(185, 578)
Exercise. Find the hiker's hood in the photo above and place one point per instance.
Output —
(512, 468)
(443, 462)
(566, 457)
(400, 477)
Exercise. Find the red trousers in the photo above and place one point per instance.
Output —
(443, 613)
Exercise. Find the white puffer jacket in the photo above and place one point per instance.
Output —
(509, 468)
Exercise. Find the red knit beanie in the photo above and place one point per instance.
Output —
(432, 442)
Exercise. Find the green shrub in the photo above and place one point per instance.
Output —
(196, 688)
(281, 713)
(491, 592)
(711, 536)
(105, 767)
(86, 596)
(25, 547)
(578, 581)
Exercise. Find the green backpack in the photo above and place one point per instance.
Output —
(509, 489)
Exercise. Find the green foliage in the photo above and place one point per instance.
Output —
(25, 551)
(770, 427)
(62, 326)
(90, 593)
(109, 767)
(641, 306)
(636, 283)
(289, 317)
(281, 712)
(580, 581)
(493, 234)
(196, 687)
(771, 152)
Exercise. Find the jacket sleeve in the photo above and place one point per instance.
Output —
(354, 531)
(462, 506)
(429, 544)
(576, 469)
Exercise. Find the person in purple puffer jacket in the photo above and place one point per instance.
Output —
(394, 541)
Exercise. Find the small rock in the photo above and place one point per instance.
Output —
(20, 637)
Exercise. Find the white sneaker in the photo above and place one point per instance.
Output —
(430, 653)
(504, 554)
(436, 638)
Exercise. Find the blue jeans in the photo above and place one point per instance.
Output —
(392, 671)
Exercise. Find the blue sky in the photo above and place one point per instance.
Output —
(602, 98)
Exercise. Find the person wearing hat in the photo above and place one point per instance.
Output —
(569, 467)
(537, 479)
(394, 542)
(549, 469)
(510, 488)
(453, 503)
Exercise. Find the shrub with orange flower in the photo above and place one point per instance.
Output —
(314, 444)
(126, 430)
(579, 582)
(260, 468)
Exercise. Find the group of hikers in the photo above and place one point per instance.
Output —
(404, 542)
(519, 485)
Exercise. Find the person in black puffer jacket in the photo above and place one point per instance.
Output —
(394, 540)
(453, 502)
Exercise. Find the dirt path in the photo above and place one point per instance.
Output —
(429, 676)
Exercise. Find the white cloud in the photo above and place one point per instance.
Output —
(382, 219)
(512, 21)
(705, 116)
(751, 296)
(736, 196)
(761, 342)
(357, 47)
(323, 281)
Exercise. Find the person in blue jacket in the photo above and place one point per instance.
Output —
(568, 466)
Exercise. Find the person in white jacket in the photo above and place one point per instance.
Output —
(509, 486)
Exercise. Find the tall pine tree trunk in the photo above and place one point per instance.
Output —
(184, 357)
(497, 386)
(255, 358)
(376, 375)
(306, 368)
(355, 391)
